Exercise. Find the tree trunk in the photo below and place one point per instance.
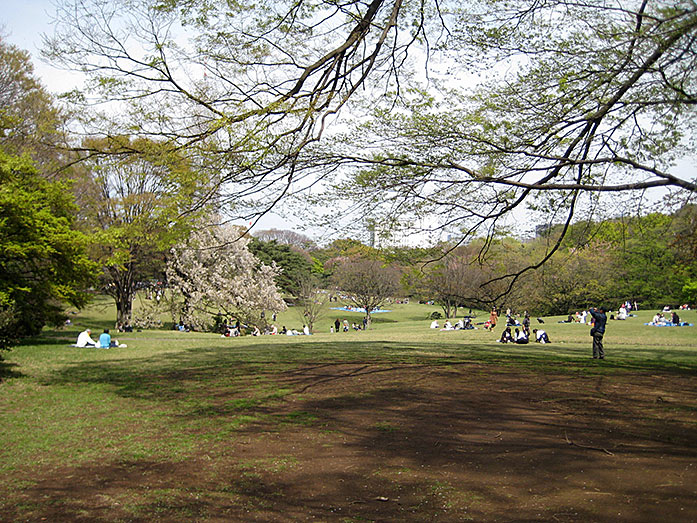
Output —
(122, 289)
(446, 308)
(124, 307)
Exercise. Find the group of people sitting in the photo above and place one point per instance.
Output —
(578, 317)
(661, 319)
(84, 339)
(462, 324)
(522, 336)
(293, 332)
(344, 325)
(240, 329)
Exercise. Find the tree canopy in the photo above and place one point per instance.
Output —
(136, 201)
(368, 283)
(440, 116)
(30, 123)
(43, 259)
(294, 266)
(577, 98)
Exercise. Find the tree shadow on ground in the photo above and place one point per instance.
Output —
(161, 376)
(9, 370)
(395, 441)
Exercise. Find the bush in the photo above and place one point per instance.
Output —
(436, 315)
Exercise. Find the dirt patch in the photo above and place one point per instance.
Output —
(414, 443)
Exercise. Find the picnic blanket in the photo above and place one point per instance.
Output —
(681, 324)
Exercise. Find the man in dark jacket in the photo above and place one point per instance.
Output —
(598, 331)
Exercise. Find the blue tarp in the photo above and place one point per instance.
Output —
(681, 324)
(356, 309)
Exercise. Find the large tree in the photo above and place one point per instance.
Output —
(457, 280)
(30, 122)
(214, 273)
(593, 98)
(43, 264)
(368, 283)
(312, 301)
(295, 266)
(242, 86)
(43, 259)
(136, 201)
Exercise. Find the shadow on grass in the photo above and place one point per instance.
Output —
(50, 338)
(171, 375)
(430, 445)
(9, 370)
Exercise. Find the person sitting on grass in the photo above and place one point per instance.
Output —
(540, 336)
(521, 337)
(447, 326)
(658, 319)
(84, 339)
(622, 313)
(674, 318)
(105, 341)
(506, 336)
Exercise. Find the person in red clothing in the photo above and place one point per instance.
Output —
(493, 318)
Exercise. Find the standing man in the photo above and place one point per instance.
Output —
(598, 331)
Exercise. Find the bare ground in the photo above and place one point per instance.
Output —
(414, 443)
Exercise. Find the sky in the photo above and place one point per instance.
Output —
(23, 22)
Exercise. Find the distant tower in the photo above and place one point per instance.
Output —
(370, 226)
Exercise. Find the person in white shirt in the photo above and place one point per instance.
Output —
(541, 336)
(521, 337)
(622, 314)
(434, 324)
(85, 340)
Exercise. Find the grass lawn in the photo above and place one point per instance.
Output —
(398, 423)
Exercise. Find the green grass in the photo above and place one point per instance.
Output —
(170, 395)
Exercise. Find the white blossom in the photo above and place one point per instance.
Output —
(215, 273)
